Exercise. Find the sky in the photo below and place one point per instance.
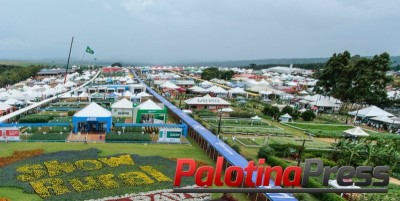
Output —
(165, 31)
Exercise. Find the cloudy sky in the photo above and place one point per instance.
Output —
(159, 31)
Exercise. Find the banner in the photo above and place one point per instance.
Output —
(9, 134)
(170, 135)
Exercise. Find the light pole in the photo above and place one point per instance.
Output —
(301, 151)
(219, 122)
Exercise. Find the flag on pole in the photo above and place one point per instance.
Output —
(88, 50)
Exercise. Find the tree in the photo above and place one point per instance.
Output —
(308, 115)
(210, 73)
(355, 79)
(287, 109)
(116, 64)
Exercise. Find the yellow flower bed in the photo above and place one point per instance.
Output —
(154, 173)
(135, 178)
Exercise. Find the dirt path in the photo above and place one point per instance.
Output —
(394, 181)
(328, 140)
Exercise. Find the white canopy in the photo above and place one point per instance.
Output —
(127, 94)
(228, 109)
(385, 119)
(12, 101)
(83, 95)
(142, 94)
(169, 85)
(4, 106)
(237, 90)
(93, 110)
(303, 92)
(285, 116)
(292, 83)
(123, 104)
(256, 118)
(219, 90)
(357, 131)
(149, 105)
(371, 111)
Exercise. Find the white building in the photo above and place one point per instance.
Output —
(122, 108)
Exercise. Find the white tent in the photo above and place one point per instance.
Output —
(83, 95)
(237, 90)
(127, 94)
(256, 118)
(194, 88)
(285, 118)
(4, 106)
(291, 83)
(93, 110)
(385, 119)
(142, 94)
(169, 85)
(149, 105)
(371, 111)
(357, 131)
(122, 104)
(228, 109)
(12, 101)
(303, 92)
(206, 84)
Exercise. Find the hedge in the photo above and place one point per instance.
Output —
(36, 118)
(127, 137)
(49, 136)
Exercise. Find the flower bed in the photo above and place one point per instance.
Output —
(165, 194)
(77, 175)
(19, 155)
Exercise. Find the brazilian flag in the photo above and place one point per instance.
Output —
(88, 50)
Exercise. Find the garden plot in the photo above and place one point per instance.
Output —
(245, 126)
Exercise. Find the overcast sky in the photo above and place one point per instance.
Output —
(158, 31)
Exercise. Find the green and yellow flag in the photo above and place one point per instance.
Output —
(88, 50)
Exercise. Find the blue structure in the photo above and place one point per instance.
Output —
(92, 118)
(223, 149)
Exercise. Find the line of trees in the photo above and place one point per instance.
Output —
(355, 79)
(10, 74)
(211, 73)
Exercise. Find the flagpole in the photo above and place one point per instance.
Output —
(69, 56)
(82, 59)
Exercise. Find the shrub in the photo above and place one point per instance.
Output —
(204, 112)
(308, 115)
(236, 148)
(127, 137)
(241, 114)
(36, 118)
(71, 113)
(265, 151)
(328, 162)
(287, 109)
